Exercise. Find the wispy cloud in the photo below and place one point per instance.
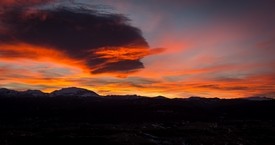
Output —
(210, 48)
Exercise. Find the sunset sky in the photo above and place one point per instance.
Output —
(174, 48)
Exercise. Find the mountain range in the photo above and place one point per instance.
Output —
(64, 92)
(82, 93)
(76, 116)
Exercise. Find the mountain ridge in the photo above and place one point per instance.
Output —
(82, 92)
(69, 92)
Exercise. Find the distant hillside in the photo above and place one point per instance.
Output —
(64, 92)
(74, 116)
(81, 92)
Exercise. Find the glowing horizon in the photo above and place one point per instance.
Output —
(175, 49)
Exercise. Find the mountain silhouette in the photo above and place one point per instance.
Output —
(64, 92)
(76, 116)
(73, 91)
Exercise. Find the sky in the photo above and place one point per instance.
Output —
(177, 49)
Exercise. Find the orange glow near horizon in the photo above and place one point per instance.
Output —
(32, 67)
(187, 49)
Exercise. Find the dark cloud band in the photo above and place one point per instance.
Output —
(78, 32)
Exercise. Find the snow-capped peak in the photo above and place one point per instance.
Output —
(73, 91)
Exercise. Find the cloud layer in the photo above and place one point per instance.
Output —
(213, 48)
(81, 33)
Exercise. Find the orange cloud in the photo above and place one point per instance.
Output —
(32, 66)
(28, 51)
(123, 53)
(213, 58)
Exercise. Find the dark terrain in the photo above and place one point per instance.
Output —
(133, 120)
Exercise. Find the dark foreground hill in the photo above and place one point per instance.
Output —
(133, 120)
